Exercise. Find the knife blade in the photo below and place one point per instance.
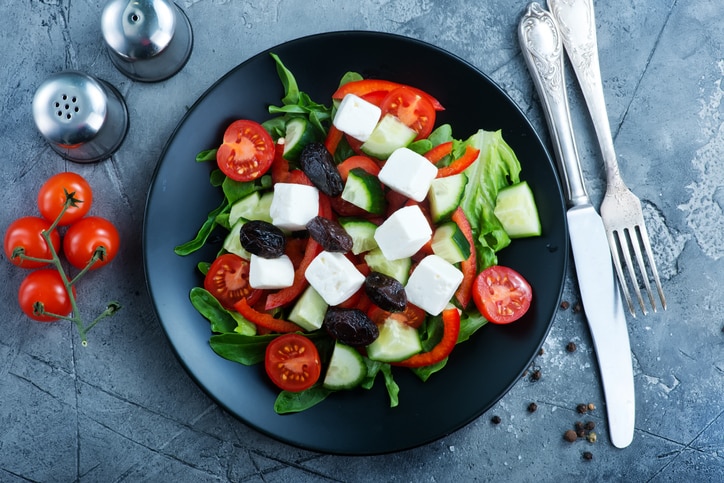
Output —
(542, 49)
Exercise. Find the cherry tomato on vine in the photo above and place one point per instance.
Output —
(46, 287)
(501, 294)
(413, 109)
(247, 151)
(52, 197)
(292, 362)
(26, 233)
(228, 281)
(85, 236)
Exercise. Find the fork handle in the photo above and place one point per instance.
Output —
(542, 48)
(577, 25)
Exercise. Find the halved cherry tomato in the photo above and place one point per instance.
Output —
(54, 194)
(413, 315)
(364, 162)
(371, 89)
(228, 280)
(25, 233)
(292, 362)
(413, 109)
(87, 235)
(247, 151)
(44, 287)
(501, 294)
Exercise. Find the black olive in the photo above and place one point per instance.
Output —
(386, 292)
(318, 164)
(350, 326)
(263, 239)
(329, 234)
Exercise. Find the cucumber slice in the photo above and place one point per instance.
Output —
(299, 133)
(516, 210)
(232, 242)
(445, 195)
(364, 190)
(397, 341)
(362, 233)
(252, 207)
(398, 269)
(449, 243)
(309, 310)
(389, 134)
(346, 368)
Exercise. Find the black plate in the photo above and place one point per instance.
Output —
(479, 372)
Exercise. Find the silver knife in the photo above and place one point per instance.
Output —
(542, 48)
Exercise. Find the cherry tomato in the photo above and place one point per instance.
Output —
(46, 287)
(292, 362)
(501, 294)
(411, 108)
(247, 151)
(26, 233)
(228, 280)
(413, 315)
(85, 236)
(52, 197)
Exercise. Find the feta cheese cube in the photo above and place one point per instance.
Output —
(293, 205)
(356, 117)
(408, 173)
(270, 273)
(334, 277)
(403, 233)
(432, 284)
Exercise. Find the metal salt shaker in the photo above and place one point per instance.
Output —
(84, 119)
(147, 40)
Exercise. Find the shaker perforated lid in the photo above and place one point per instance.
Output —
(147, 40)
(83, 118)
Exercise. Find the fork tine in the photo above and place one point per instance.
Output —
(616, 248)
(636, 240)
(644, 237)
(625, 243)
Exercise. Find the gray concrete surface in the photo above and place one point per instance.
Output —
(123, 409)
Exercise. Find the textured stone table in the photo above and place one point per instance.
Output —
(123, 408)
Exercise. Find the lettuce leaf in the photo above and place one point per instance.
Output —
(496, 167)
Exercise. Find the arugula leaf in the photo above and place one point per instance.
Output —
(244, 349)
(294, 402)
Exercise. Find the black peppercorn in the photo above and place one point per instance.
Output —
(536, 375)
(590, 425)
(571, 347)
(587, 455)
(582, 409)
(532, 407)
(495, 420)
(565, 305)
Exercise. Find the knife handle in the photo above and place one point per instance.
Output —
(540, 41)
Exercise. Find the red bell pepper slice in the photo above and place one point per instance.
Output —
(451, 330)
(289, 294)
(364, 162)
(265, 320)
(334, 136)
(366, 87)
(458, 165)
(469, 266)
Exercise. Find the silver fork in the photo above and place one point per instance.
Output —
(621, 209)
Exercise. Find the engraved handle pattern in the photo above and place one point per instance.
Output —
(541, 43)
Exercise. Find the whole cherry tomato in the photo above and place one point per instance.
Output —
(85, 236)
(54, 192)
(25, 233)
(44, 287)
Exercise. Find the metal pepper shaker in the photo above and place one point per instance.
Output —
(147, 40)
(83, 118)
